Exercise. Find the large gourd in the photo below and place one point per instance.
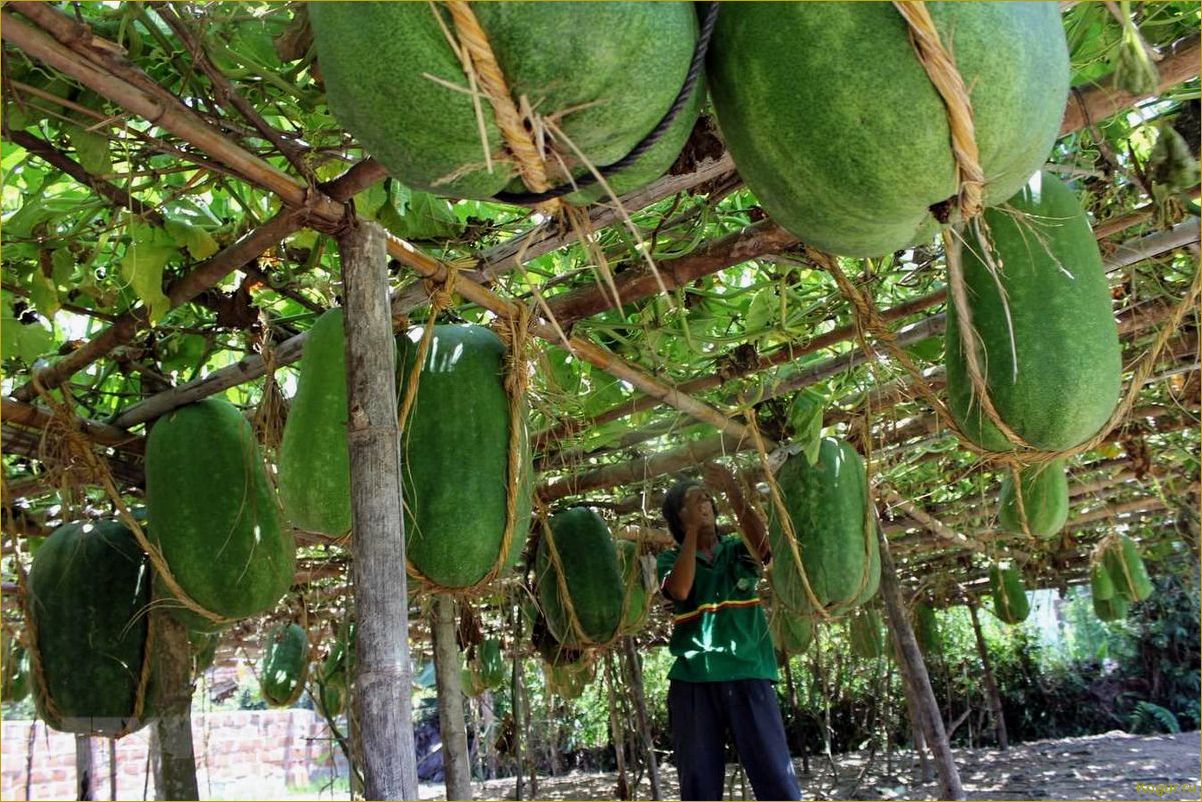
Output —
(1049, 348)
(637, 594)
(489, 665)
(1126, 569)
(837, 129)
(455, 466)
(926, 629)
(1044, 493)
(1100, 583)
(603, 86)
(314, 461)
(212, 511)
(89, 594)
(1010, 602)
(1112, 609)
(827, 503)
(285, 665)
(864, 631)
(791, 633)
(587, 567)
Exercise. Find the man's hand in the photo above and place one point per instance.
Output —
(752, 527)
(692, 513)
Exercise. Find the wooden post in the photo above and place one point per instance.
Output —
(112, 768)
(488, 736)
(616, 734)
(914, 673)
(83, 767)
(635, 667)
(995, 699)
(518, 696)
(451, 725)
(175, 770)
(382, 695)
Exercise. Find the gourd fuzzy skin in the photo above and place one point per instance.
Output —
(605, 85)
(837, 129)
(1057, 317)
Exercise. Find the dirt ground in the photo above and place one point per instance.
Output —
(1115, 765)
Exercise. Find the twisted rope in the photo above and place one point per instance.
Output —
(480, 63)
(515, 332)
(941, 68)
(582, 640)
(82, 450)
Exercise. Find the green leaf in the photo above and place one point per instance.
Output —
(182, 351)
(44, 294)
(928, 350)
(426, 217)
(805, 419)
(763, 310)
(64, 266)
(142, 266)
(370, 202)
(200, 243)
(20, 340)
(91, 150)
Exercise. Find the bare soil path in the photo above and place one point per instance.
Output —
(1115, 765)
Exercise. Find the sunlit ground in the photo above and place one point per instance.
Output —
(1111, 766)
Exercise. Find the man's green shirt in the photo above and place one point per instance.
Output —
(720, 631)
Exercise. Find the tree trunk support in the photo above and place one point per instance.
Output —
(451, 724)
(382, 697)
(175, 771)
(637, 694)
(914, 674)
(83, 767)
(991, 691)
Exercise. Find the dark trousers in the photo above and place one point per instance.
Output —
(701, 713)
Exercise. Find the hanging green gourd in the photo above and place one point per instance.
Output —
(578, 580)
(1126, 568)
(87, 603)
(466, 468)
(1042, 506)
(1100, 583)
(926, 629)
(1010, 602)
(488, 666)
(212, 514)
(824, 546)
(838, 129)
(866, 635)
(314, 461)
(512, 95)
(636, 596)
(285, 665)
(1038, 309)
(1113, 609)
(568, 680)
(791, 633)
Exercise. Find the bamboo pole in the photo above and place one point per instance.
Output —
(634, 669)
(991, 691)
(451, 725)
(381, 697)
(1104, 99)
(175, 775)
(914, 673)
(83, 767)
(617, 735)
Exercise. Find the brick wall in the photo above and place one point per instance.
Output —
(239, 755)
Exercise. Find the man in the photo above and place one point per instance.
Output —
(725, 663)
